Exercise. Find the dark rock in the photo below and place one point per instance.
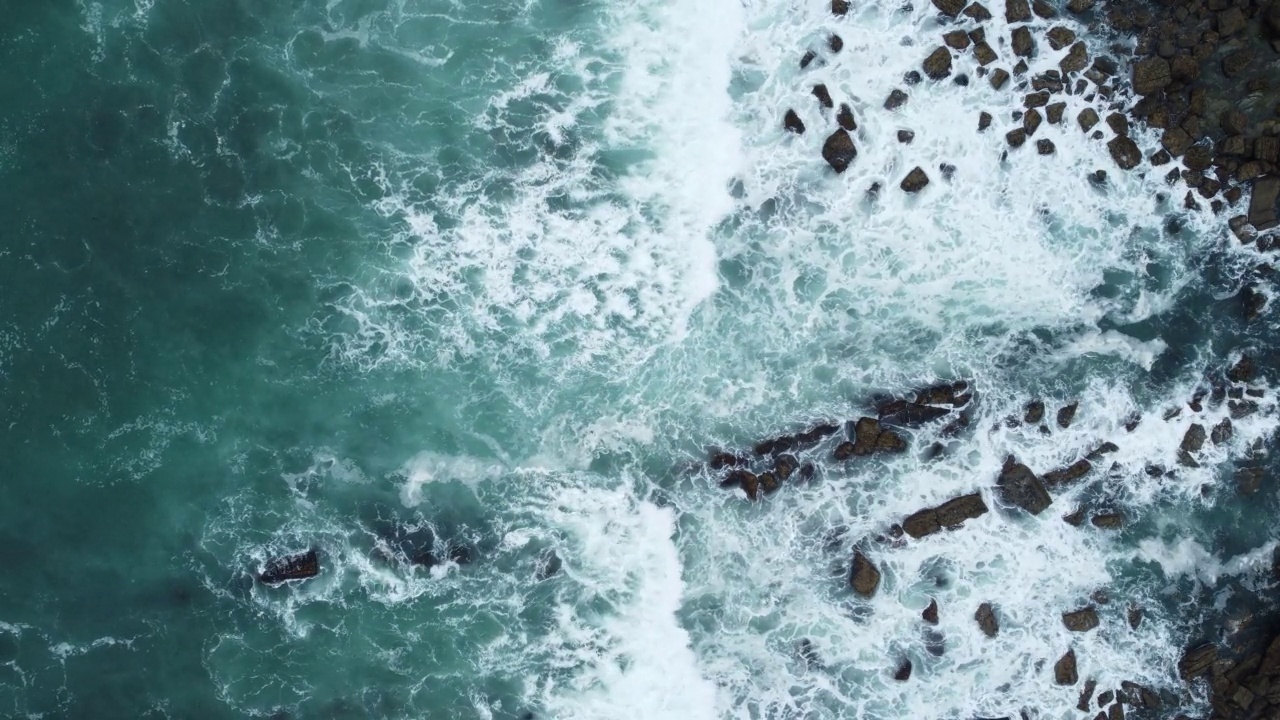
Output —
(1075, 519)
(863, 576)
(769, 482)
(1055, 111)
(1184, 68)
(983, 52)
(1034, 412)
(1197, 661)
(1222, 432)
(1035, 100)
(1267, 149)
(824, 97)
(1230, 22)
(1243, 371)
(1160, 157)
(978, 12)
(721, 460)
(1016, 137)
(1082, 620)
(807, 471)
(1234, 64)
(1151, 75)
(903, 672)
(844, 451)
(1234, 122)
(839, 7)
(844, 118)
(1125, 152)
(1069, 474)
(1077, 58)
(1064, 671)
(299, 566)
(1242, 409)
(839, 151)
(949, 515)
(1022, 44)
(956, 39)
(1248, 480)
(548, 565)
(1193, 440)
(912, 77)
(950, 8)
(1134, 616)
(784, 466)
(1044, 146)
(1109, 521)
(1080, 6)
(938, 64)
(906, 136)
(1176, 141)
(870, 437)
(1105, 698)
(1197, 158)
(808, 57)
(984, 120)
(835, 43)
(1252, 302)
(1043, 9)
(1116, 712)
(1021, 488)
(1066, 414)
(915, 181)
(1016, 11)
(1262, 203)
(791, 121)
(1086, 696)
(1087, 118)
(986, 617)
(999, 77)
(1020, 69)
(1119, 123)
(1060, 37)
(1031, 121)
(896, 99)
(930, 613)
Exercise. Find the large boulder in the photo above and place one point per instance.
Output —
(1016, 11)
(1019, 487)
(914, 182)
(910, 414)
(1076, 60)
(1064, 671)
(863, 575)
(1022, 43)
(1125, 152)
(299, 566)
(950, 8)
(1060, 37)
(938, 65)
(870, 437)
(949, 515)
(1151, 75)
(1262, 203)
(839, 151)
(1066, 475)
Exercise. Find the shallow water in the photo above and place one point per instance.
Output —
(378, 276)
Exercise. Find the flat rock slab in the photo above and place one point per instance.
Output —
(291, 567)
(947, 516)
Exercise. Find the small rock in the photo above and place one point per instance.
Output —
(956, 39)
(999, 78)
(863, 576)
(1076, 60)
(1243, 371)
(1035, 99)
(1064, 671)
(838, 150)
(896, 99)
(1087, 118)
(1248, 480)
(904, 671)
(824, 97)
(1060, 37)
(1031, 121)
(986, 617)
(1016, 137)
(906, 136)
(1080, 6)
(1066, 475)
(1044, 146)
(1066, 414)
(915, 181)
(912, 77)
(808, 57)
(1134, 616)
(835, 43)
(844, 118)
(1075, 519)
(1176, 141)
(1234, 122)
(1184, 68)
(791, 121)
(1119, 123)
(1222, 432)
(1055, 111)
(938, 64)
(984, 120)
(978, 12)
(1043, 9)
(1193, 440)
(983, 52)
(1151, 75)
(1022, 44)
(839, 7)
(1016, 11)
(930, 613)
(1082, 620)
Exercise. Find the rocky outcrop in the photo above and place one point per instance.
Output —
(864, 578)
(839, 151)
(987, 622)
(1066, 475)
(1019, 487)
(1197, 661)
(948, 516)
(1082, 620)
(291, 567)
(869, 436)
(1064, 670)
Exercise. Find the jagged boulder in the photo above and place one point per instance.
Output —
(915, 181)
(986, 617)
(839, 151)
(1019, 487)
(1082, 620)
(792, 122)
(949, 515)
(938, 65)
(299, 566)
(930, 614)
(863, 575)
(1064, 670)
(1066, 475)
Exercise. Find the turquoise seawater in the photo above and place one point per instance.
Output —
(378, 277)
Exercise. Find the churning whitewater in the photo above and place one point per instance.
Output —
(530, 283)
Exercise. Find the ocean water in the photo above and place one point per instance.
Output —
(378, 277)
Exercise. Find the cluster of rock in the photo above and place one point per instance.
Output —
(1243, 687)
(396, 544)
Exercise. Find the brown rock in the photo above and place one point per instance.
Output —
(1193, 440)
(1016, 137)
(1125, 152)
(1045, 146)
(930, 613)
(903, 672)
(1222, 432)
(791, 121)
(1043, 9)
(824, 97)
(1267, 149)
(863, 576)
(1119, 123)
(1022, 44)
(1077, 58)
(1066, 475)
(1262, 204)
(984, 120)
(1151, 75)
(1016, 11)
(1230, 22)
(1176, 141)
(978, 12)
(844, 118)
(838, 150)
(984, 53)
(1031, 121)
(950, 8)
(1066, 414)
(1087, 118)
(986, 617)
(1086, 696)
(1035, 99)
(1234, 64)
(1108, 521)
(1184, 68)
(1234, 122)
(915, 181)
(1054, 112)
(839, 7)
(999, 78)
(1115, 712)
(897, 98)
(938, 65)
(1060, 37)
(1020, 487)
(1064, 671)
(956, 39)
(1197, 158)
(1080, 6)
(1082, 620)
(906, 136)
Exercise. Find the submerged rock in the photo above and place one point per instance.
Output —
(1082, 620)
(299, 566)
(1020, 487)
(1034, 412)
(930, 614)
(863, 575)
(1108, 521)
(986, 617)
